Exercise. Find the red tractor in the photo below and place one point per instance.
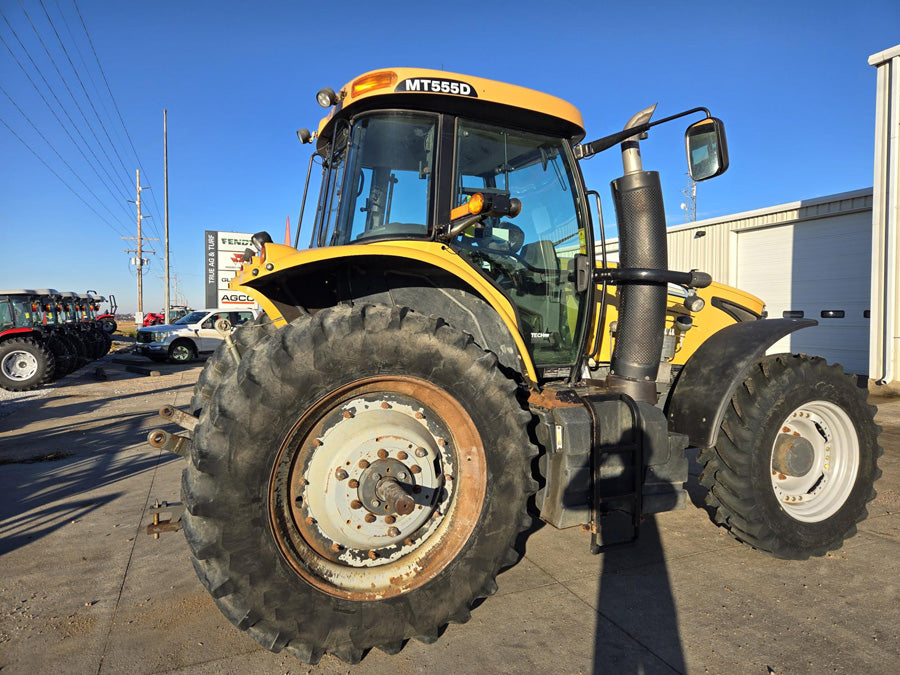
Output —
(175, 313)
(107, 321)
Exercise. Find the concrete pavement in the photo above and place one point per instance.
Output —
(84, 590)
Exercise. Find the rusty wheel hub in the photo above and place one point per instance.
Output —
(374, 492)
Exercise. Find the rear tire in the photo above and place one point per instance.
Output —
(109, 326)
(796, 459)
(388, 390)
(25, 363)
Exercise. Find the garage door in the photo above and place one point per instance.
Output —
(817, 269)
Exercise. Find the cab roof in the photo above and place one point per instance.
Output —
(454, 93)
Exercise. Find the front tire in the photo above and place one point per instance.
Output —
(220, 365)
(287, 517)
(182, 351)
(796, 459)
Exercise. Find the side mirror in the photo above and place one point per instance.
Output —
(707, 149)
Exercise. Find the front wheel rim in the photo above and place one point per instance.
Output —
(180, 353)
(19, 365)
(820, 492)
(332, 526)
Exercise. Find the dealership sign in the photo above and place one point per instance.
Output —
(224, 251)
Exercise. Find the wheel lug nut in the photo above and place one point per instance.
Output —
(441, 441)
(370, 517)
(420, 416)
(372, 555)
(415, 468)
(340, 474)
(376, 503)
(402, 455)
(347, 414)
(376, 476)
(310, 520)
(356, 504)
(448, 477)
(393, 532)
(363, 464)
(336, 547)
(353, 483)
(385, 405)
(421, 452)
(382, 453)
(389, 520)
(402, 475)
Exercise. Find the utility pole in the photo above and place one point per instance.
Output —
(139, 261)
(166, 192)
(689, 205)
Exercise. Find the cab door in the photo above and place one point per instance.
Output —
(531, 257)
(207, 335)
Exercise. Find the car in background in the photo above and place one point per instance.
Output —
(193, 334)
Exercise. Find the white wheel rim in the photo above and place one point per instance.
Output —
(347, 543)
(822, 491)
(19, 365)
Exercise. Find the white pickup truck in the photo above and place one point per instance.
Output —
(193, 334)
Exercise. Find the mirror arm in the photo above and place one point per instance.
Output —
(584, 150)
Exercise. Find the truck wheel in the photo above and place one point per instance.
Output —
(796, 459)
(108, 325)
(25, 364)
(220, 364)
(182, 351)
(359, 482)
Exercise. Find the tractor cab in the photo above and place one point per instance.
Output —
(19, 311)
(400, 164)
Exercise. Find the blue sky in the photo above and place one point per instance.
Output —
(789, 79)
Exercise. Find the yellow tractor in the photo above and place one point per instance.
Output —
(449, 359)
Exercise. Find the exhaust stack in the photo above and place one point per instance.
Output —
(637, 197)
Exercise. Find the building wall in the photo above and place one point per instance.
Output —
(884, 339)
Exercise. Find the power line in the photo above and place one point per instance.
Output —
(83, 88)
(113, 98)
(61, 158)
(65, 84)
(50, 169)
(119, 198)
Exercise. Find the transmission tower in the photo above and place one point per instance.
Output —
(689, 205)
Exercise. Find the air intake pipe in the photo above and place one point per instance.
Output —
(640, 214)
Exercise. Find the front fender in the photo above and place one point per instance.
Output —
(284, 279)
(709, 379)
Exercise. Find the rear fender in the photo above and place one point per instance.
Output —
(709, 379)
(16, 332)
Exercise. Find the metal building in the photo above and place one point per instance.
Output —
(806, 259)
